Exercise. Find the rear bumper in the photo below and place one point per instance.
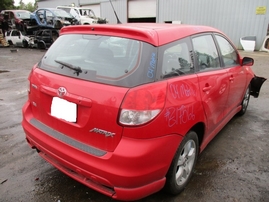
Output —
(135, 169)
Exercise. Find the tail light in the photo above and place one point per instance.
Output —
(142, 104)
(29, 79)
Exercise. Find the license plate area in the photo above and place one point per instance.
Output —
(64, 109)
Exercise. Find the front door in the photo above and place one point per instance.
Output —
(236, 74)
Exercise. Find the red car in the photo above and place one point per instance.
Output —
(20, 20)
(126, 109)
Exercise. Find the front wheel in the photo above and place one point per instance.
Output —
(183, 163)
(25, 44)
(245, 101)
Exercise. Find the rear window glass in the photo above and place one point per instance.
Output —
(111, 60)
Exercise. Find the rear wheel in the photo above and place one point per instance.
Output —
(245, 102)
(183, 163)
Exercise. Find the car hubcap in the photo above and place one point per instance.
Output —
(185, 162)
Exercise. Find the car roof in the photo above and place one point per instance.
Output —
(17, 10)
(72, 7)
(50, 9)
(156, 34)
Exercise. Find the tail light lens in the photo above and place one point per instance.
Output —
(142, 104)
(29, 82)
(29, 78)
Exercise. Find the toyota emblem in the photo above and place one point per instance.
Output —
(62, 91)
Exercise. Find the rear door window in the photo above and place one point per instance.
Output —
(206, 53)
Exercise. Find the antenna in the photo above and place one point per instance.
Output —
(118, 21)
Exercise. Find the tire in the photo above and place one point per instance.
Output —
(184, 161)
(41, 45)
(25, 44)
(58, 25)
(245, 102)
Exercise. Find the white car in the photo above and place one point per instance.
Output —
(16, 38)
(84, 15)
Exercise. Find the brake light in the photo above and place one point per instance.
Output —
(29, 81)
(143, 104)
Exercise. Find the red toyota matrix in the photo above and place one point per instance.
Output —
(125, 109)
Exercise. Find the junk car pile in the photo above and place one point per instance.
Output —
(26, 29)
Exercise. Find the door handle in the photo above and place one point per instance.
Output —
(207, 88)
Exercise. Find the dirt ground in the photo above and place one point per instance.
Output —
(234, 167)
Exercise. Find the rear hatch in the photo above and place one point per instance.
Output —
(82, 110)
(78, 87)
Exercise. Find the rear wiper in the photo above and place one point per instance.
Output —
(77, 69)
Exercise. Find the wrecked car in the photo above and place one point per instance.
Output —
(17, 38)
(20, 20)
(52, 18)
(84, 15)
(128, 120)
(44, 38)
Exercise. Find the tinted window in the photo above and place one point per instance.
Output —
(23, 14)
(206, 52)
(176, 59)
(229, 54)
(15, 33)
(105, 59)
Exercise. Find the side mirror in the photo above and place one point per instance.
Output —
(247, 61)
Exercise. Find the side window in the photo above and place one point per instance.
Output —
(49, 18)
(41, 16)
(206, 53)
(177, 60)
(11, 18)
(228, 53)
(11, 15)
(15, 33)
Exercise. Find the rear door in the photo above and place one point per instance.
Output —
(183, 107)
(213, 80)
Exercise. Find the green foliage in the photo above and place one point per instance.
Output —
(9, 4)
(6, 4)
(30, 6)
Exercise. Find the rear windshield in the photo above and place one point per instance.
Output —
(104, 59)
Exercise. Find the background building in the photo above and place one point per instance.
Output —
(236, 18)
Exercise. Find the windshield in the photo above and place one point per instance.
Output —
(61, 13)
(23, 14)
(105, 59)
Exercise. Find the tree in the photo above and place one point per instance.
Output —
(6, 4)
(30, 6)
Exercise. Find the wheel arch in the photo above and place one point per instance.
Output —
(199, 129)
